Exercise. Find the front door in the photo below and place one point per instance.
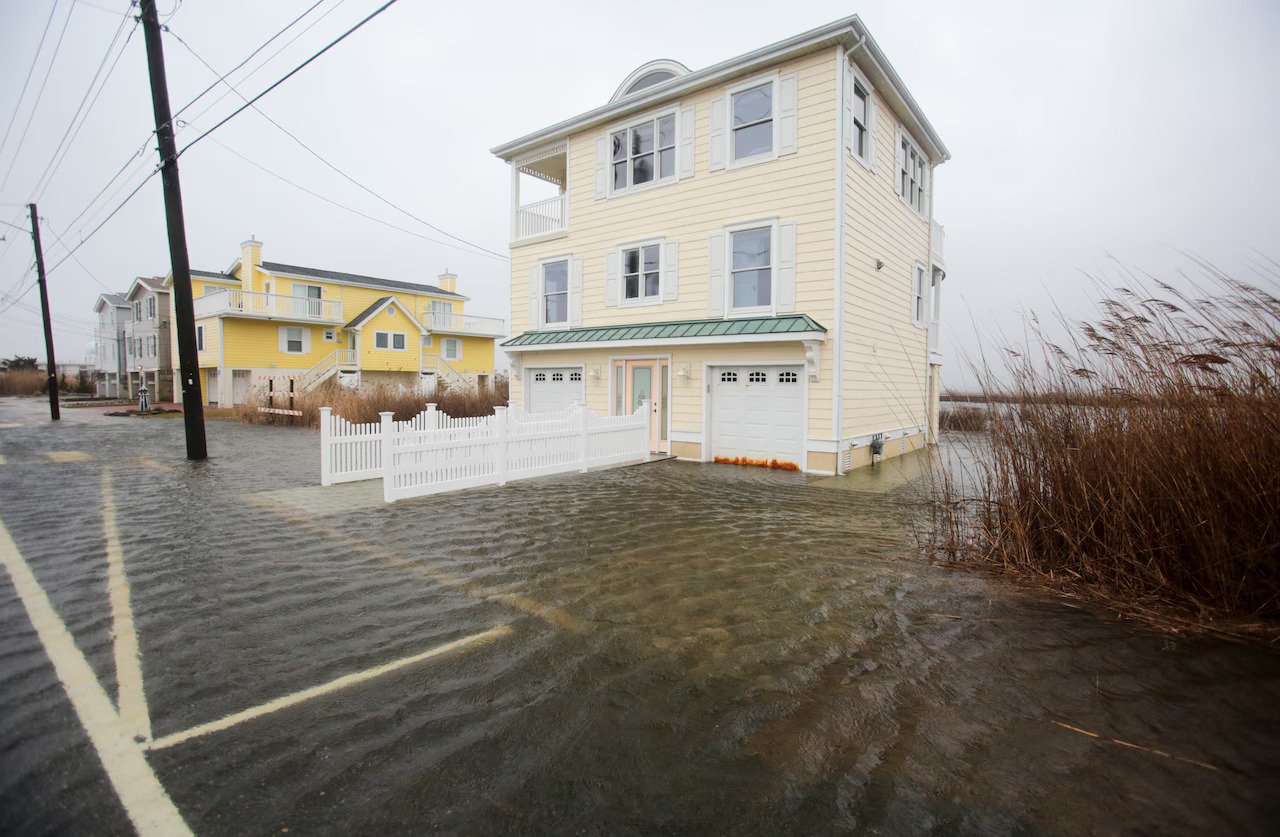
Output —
(644, 380)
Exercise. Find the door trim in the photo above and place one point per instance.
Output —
(707, 368)
(671, 385)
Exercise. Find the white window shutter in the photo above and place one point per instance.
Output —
(786, 302)
(535, 297)
(575, 293)
(718, 146)
(670, 270)
(715, 275)
(306, 340)
(873, 117)
(611, 279)
(602, 166)
(788, 113)
(688, 128)
(283, 339)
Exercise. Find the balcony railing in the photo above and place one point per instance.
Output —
(543, 217)
(936, 242)
(450, 323)
(273, 306)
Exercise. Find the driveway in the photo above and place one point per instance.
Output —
(664, 648)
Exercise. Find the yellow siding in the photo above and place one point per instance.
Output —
(256, 344)
(885, 382)
(796, 187)
(212, 342)
(390, 360)
(475, 353)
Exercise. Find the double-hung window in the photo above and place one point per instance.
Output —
(644, 152)
(555, 293)
(451, 348)
(751, 270)
(199, 338)
(642, 273)
(912, 173)
(859, 140)
(151, 307)
(393, 340)
(137, 311)
(751, 123)
(920, 297)
(293, 341)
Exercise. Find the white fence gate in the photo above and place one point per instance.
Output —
(433, 452)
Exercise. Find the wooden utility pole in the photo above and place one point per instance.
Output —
(50, 366)
(184, 314)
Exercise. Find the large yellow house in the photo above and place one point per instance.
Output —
(749, 247)
(260, 322)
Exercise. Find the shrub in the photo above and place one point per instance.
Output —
(22, 382)
(1145, 457)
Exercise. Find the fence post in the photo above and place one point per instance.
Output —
(388, 473)
(326, 442)
(648, 428)
(433, 416)
(500, 433)
(582, 419)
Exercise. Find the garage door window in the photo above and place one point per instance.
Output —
(757, 377)
(788, 377)
(539, 378)
(728, 377)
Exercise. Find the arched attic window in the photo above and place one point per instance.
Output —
(649, 75)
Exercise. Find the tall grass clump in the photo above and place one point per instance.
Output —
(22, 382)
(1143, 456)
(362, 406)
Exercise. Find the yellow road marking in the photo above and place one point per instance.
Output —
(324, 689)
(552, 615)
(68, 456)
(7, 425)
(144, 798)
(132, 699)
(2, 459)
(151, 463)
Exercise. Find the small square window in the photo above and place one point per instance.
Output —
(575, 376)
(757, 377)
(556, 377)
(381, 340)
(398, 342)
(787, 378)
(540, 377)
(728, 377)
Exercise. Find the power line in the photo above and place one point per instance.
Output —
(348, 177)
(72, 254)
(50, 170)
(34, 60)
(246, 60)
(47, 72)
(337, 203)
(288, 75)
(85, 239)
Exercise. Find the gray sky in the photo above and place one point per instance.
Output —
(1080, 132)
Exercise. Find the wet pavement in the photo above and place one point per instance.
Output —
(682, 649)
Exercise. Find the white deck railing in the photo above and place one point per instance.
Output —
(464, 324)
(433, 452)
(254, 304)
(543, 217)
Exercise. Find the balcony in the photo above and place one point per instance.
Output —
(268, 307)
(540, 172)
(543, 218)
(443, 322)
(936, 242)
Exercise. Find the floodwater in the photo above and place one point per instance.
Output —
(691, 649)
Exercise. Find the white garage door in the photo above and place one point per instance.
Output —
(757, 412)
(551, 390)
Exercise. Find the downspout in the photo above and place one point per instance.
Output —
(837, 383)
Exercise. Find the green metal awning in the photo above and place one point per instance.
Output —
(801, 325)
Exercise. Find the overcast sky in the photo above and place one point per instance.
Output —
(1080, 132)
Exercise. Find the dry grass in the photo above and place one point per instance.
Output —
(1143, 459)
(363, 406)
(22, 382)
(965, 419)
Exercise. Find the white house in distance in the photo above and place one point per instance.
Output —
(109, 352)
(750, 246)
(147, 343)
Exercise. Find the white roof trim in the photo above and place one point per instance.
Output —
(442, 293)
(384, 306)
(848, 31)
(660, 65)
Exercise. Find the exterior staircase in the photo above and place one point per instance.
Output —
(447, 372)
(327, 368)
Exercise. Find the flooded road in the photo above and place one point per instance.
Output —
(683, 648)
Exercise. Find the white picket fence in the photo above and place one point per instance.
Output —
(433, 452)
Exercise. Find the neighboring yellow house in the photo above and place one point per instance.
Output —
(261, 319)
(750, 246)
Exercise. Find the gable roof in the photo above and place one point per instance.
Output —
(153, 284)
(370, 312)
(850, 31)
(357, 279)
(118, 300)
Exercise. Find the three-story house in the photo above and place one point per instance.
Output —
(110, 349)
(147, 339)
(749, 247)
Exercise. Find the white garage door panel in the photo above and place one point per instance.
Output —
(552, 390)
(757, 412)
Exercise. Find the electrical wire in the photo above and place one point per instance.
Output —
(287, 76)
(34, 60)
(72, 254)
(85, 239)
(39, 95)
(349, 178)
(68, 136)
